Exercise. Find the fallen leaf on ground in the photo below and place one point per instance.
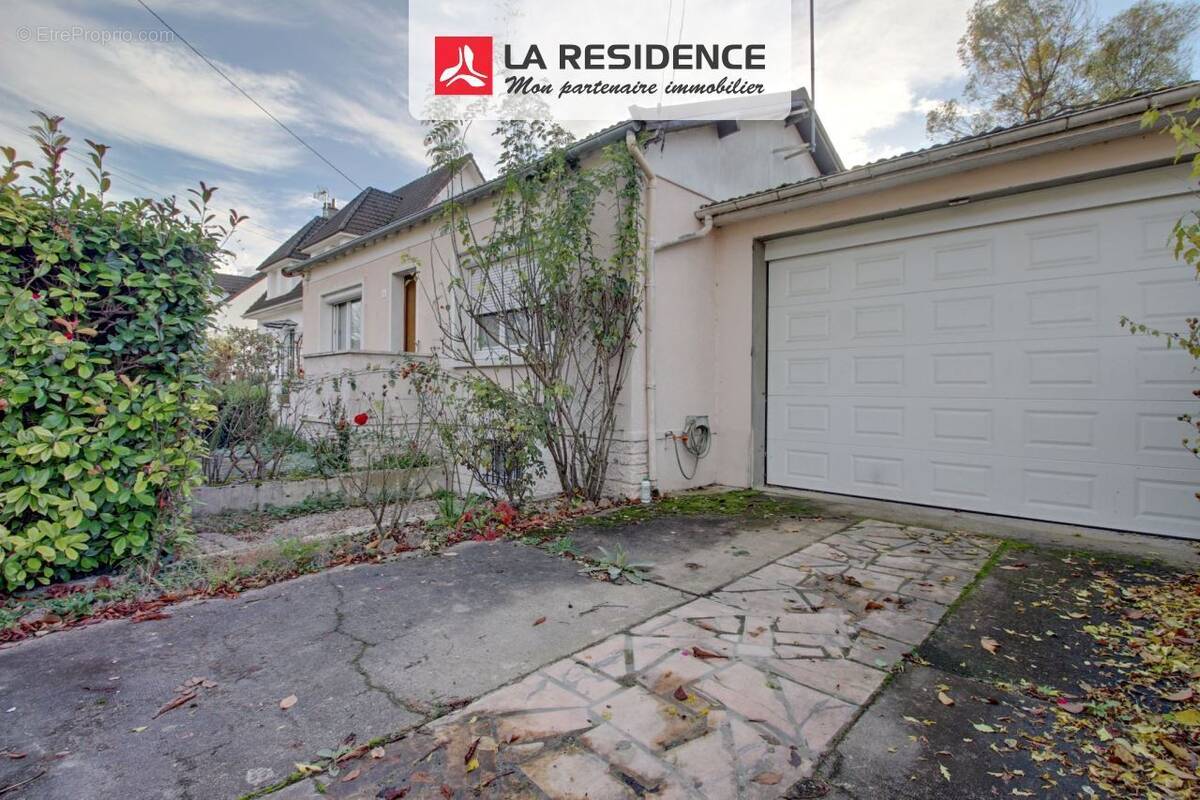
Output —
(945, 772)
(700, 652)
(989, 644)
(352, 775)
(1180, 696)
(1071, 708)
(176, 703)
(471, 754)
(538, 621)
(147, 616)
(945, 699)
(392, 792)
(288, 702)
(1189, 717)
(767, 778)
(378, 752)
(873, 605)
(681, 694)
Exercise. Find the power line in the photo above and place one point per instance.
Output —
(246, 94)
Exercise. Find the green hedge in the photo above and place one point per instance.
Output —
(103, 311)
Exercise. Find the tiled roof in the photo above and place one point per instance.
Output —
(295, 243)
(418, 194)
(371, 209)
(295, 293)
(374, 208)
(231, 284)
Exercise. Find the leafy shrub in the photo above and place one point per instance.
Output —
(243, 414)
(243, 354)
(103, 312)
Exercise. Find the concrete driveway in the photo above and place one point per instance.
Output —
(367, 651)
(796, 622)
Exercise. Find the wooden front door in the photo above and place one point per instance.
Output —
(410, 314)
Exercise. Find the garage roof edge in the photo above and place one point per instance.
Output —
(945, 154)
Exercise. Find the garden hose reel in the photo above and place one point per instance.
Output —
(696, 440)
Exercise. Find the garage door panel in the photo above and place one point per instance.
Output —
(1075, 307)
(985, 368)
(1117, 367)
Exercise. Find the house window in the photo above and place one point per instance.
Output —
(496, 332)
(501, 326)
(346, 324)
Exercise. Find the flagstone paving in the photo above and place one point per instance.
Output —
(732, 695)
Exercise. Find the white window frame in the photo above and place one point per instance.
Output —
(492, 350)
(341, 330)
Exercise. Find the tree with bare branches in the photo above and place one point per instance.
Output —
(543, 299)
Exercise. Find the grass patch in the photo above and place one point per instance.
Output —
(749, 503)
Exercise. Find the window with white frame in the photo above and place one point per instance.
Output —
(345, 318)
(500, 324)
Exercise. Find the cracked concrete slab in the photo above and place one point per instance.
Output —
(709, 701)
(367, 650)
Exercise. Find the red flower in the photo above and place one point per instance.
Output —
(360, 419)
(69, 336)
(36, 295)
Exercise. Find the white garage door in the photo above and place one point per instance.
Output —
(972, 358)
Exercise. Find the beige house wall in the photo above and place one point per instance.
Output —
(683, 303)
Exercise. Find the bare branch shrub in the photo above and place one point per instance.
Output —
(543, 301)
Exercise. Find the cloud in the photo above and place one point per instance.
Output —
(160, 94)
(156, 94)
(875, 61)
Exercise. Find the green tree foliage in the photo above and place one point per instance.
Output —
(1031, 59)
(1143, 47)
(103, 311)
(1184, 128)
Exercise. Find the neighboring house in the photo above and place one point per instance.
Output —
(235, 297)
(939, 328)
(280, 306)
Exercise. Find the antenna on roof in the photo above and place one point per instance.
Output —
(812, 75)
(328, 204)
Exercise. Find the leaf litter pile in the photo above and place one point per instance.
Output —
(1136, 732)
(1146, 728)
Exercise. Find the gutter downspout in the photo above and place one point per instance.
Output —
(635, 150)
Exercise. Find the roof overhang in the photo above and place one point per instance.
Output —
(1089, 126)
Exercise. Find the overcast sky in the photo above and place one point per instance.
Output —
(335, 71)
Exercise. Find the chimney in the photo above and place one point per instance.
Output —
(328, 204)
